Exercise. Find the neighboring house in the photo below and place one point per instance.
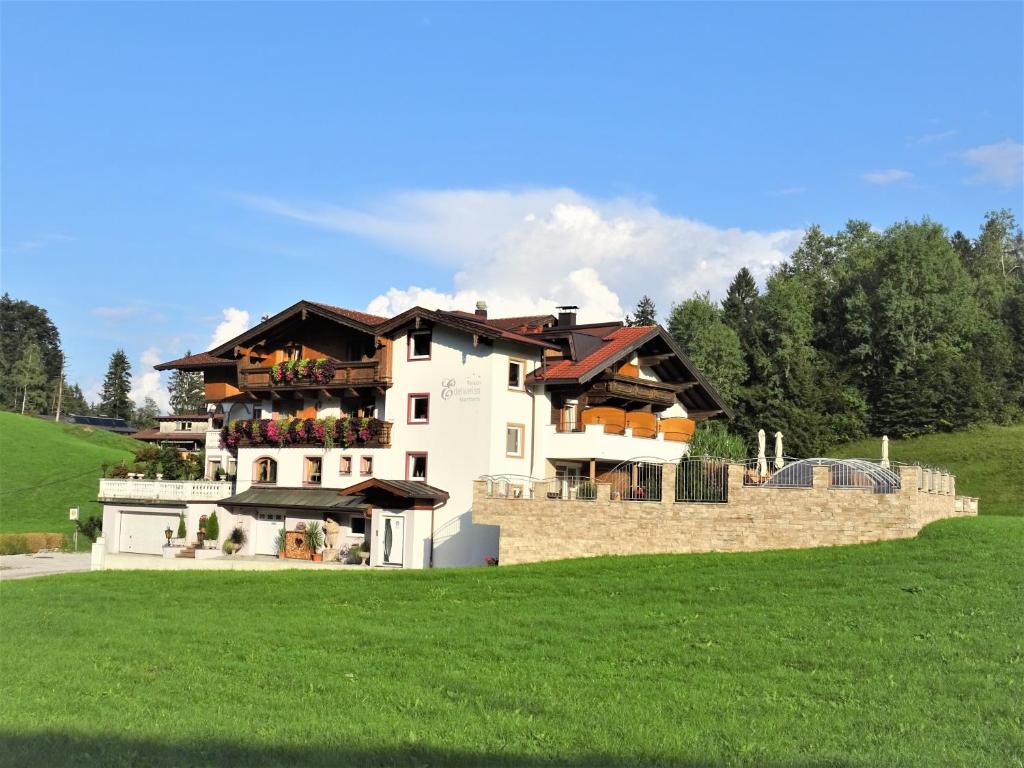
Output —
(109, 423)
(417, 407)
(185, 431)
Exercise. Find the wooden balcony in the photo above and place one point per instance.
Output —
(617, 387)
(347, 375)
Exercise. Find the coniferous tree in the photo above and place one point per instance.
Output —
(187, 392)
(73, 401)
(697, 325)
(144, 417)
(23, 323)
(644, 314)
(29, 380)
(114, 397)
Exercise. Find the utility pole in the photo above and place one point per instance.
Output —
(60, 391)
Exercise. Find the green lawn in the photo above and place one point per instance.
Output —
(988, 462)
(891, 654)
(46, 467)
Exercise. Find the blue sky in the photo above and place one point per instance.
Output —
(173, 171)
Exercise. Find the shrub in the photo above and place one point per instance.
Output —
(91, 528)
(352, 556)
(314, 536)
(712, 438)
(213, 527)
(281, 541)
(237, 536)
(182, 530)
(228, 546)
(27, 543)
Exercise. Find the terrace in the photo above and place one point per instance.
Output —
(164, 490)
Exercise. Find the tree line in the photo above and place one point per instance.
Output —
(861, 332)
(33, 376)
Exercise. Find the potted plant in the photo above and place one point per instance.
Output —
(282, 543)
(364, 551)
(182, 531)
(315, 540)
(237, 538)
(228, 547)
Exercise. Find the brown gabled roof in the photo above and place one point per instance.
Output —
(352, 314)
(403, 489)
(516, 323)
(194, 362)
(157, 435)
(463, 321)
(614, 345)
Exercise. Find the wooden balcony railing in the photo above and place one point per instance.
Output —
(346, 374)
(642, 424)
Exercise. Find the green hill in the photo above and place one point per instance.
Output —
(988, 462)
(46, 467)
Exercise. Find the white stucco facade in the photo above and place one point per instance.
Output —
(471, 405)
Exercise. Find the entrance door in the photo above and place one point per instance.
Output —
(267, 526)
(393, 539)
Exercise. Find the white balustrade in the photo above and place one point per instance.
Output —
(165, 490)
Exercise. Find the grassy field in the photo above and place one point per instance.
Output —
(987, 461)
(899, 653)
(45, 468)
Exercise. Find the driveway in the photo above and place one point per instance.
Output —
(42, 564)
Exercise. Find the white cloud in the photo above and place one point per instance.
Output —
(527, 251)
(149, 383)
(42, 241)
(235, 321)
(1000, 163)
(931, 138)
(886, 177)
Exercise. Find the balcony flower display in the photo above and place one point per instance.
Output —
(330, 432)
(302, 371)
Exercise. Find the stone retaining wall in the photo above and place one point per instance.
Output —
(754, 518)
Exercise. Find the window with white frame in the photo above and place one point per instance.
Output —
(416, 466)
(514, 440)
(419, 408)
(419, 345)
(516, 373)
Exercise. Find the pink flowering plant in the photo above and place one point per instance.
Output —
(318, 371)
(329, 432)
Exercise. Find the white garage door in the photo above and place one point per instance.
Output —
(143, 532)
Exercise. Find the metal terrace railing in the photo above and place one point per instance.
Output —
(843, 474)
(703, 479)
(550, 488)
(636, 480)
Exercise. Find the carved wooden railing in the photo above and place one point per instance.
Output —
(346, 374)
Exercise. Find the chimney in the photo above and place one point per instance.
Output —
(481, 310)
(566, 316)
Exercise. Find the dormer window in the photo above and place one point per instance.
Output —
(419, 345)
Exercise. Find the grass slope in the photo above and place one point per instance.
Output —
(988, 462)
(46, 467)
(899, 653)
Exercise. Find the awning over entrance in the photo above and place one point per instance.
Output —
(330, 499)
(410, 490)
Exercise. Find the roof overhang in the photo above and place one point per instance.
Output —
(302, 309)
(312, 499)
(416, 316)
(411, 490)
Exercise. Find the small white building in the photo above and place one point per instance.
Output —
(382, 425)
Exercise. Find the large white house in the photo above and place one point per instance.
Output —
(383, 424)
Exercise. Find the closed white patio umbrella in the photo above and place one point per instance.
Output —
(779, 462)
(762, 459)
(885, 452)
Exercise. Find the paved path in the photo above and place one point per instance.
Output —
(42, 564)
